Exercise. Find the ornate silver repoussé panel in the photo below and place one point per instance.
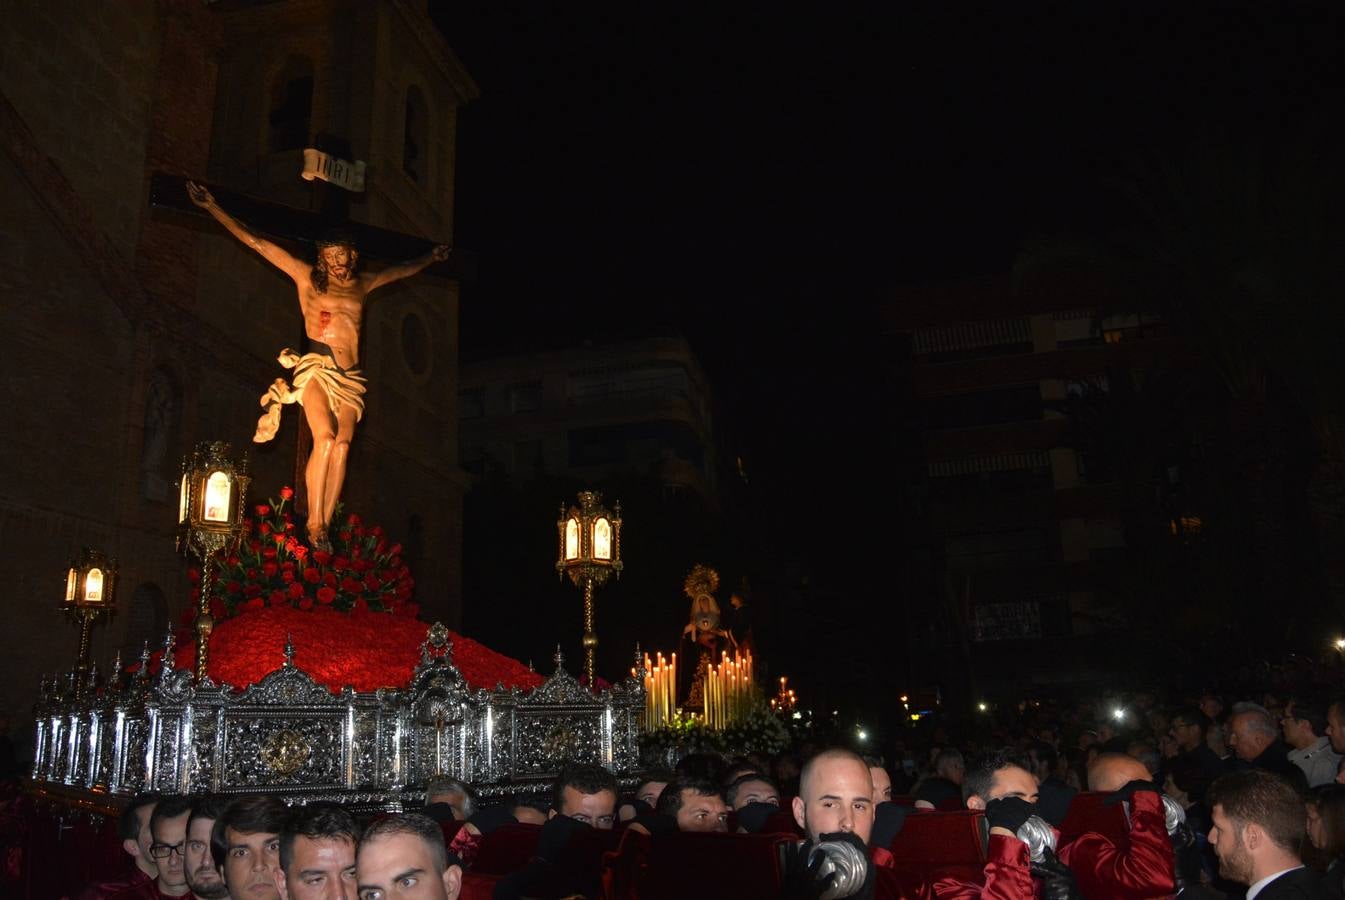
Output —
(290, 736)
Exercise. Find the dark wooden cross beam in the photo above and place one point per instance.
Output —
(299, 228)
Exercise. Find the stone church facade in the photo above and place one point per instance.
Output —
(131, 332)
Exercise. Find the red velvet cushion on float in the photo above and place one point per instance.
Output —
(942, 844)
(1088, 814)
(623, 869)
(686, 864)
(361, 648)
(476, 886)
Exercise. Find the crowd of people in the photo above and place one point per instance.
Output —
(1244, 799)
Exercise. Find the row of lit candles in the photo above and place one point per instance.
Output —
(728, 690)
(660, 690)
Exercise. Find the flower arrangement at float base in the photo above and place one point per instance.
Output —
(272, 568)
(759, 731)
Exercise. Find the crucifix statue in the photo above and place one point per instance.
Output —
(327, 382)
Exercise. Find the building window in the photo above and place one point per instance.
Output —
(413, 136)
(525, 397)
(291, 105)
(471, 404)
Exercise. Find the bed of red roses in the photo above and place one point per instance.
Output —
(349, 612)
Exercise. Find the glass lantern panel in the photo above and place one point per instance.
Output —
(602, 539)
(71, 580)
(217, 490)
(572, 539)
(182, 500)
(93, 586)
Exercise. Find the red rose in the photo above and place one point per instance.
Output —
(345, 536)
(252, 590)
(321, 557)
(287, 576)
(287, 493)
(296, 591)
(264, 528)
(299, 551)
(360, 605)
(312, 576)
(278, 538)
(326, 595)
(350, 585)
(306, 603)
(254, 603)
(269, 553)
(263, 509)
(352, 519)
(255, 545)
(251, 574)
(269, 569)
(396, 550)
(278, 598)
(287, 565)
(231, 560)
(233, 587)
(329, 579)
(376, 531)
(194, 575)
(340, 563)
(371, 582)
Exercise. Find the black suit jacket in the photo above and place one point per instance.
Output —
(1300, 884)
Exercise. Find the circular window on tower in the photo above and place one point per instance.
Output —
(416, 351)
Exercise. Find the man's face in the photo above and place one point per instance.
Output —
(1246, 743)
(598, 810)
(882, 784)
(1185, 733)
(142, 841)
(1210, 706)
(339, 261)
(1235, 862)
(649, 791)
(755, 792)
(1010, 781)
(1335, 729)
(401, 867)
(168, 847)
(1295, 731)
(320, 869)
(203, 876)
(250, 861)
(702, 812)
(839, 798)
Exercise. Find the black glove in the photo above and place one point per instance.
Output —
(556, 833)
(870, 873)
(655, 823)
(1130, 789)
(1057, 881)
(799, 879)
(1009, 812)
(492, 817)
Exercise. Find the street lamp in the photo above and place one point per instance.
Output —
(211, 500)
(590, 551)
(90, 588)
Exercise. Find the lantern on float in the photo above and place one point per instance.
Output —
(90, 589)
(590, 553)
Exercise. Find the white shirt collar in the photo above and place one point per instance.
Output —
(1256, 888)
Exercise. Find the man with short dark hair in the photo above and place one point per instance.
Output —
(1258, 826)
(695, 804)
(317, 854)
(168, 828)
(1304, 728)
(403, 857)
(646, 794)
(1189, 727)
(751, 788)
(198, 864)
(133, 829)
(882, 781)
(246, 844)
(585, 793)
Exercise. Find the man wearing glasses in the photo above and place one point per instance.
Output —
(168, 827)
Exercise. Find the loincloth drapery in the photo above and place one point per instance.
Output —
(343, 387)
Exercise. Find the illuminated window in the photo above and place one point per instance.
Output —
(70, 582)
(93, 586)
(572, 539)
(602, 539)
(217, 498)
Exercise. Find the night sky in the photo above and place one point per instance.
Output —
(761, 179)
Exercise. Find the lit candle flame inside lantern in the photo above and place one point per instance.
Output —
(93, 586)
(217, 497)
(602, 539)
(572, 539)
